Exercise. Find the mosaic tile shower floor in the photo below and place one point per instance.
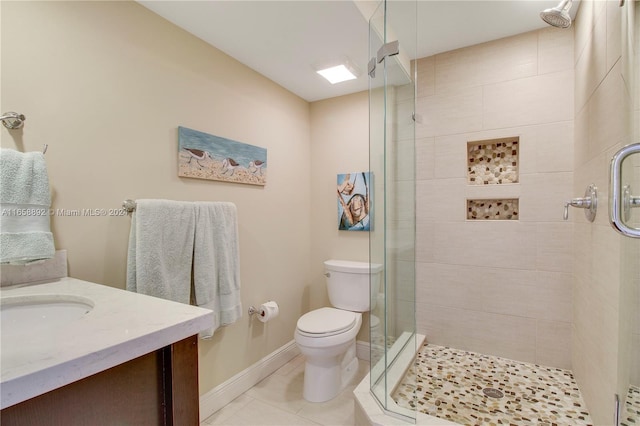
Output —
(449, 384)
(631, 415)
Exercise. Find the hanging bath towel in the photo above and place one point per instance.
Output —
(25, 202)
(161, 249)
(216, 263)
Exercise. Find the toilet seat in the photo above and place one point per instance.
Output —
(325, 322)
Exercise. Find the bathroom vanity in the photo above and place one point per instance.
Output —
(75, 352)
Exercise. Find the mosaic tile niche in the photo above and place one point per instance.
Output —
(492, 162)
(506, 209)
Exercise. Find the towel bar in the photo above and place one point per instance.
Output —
(129, 206)
(12, 120)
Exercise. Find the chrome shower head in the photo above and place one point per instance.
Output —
(558, 16)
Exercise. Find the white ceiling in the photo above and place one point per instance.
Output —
(286, 40)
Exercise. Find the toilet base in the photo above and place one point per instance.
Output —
(324, 378)
(349, 372)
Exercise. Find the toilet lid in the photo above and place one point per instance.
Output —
(326, 321)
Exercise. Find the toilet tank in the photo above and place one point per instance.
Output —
(348, 283)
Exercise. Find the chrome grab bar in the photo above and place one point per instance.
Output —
(620, 199)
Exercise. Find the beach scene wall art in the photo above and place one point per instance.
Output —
(205, 156)
(355, 201)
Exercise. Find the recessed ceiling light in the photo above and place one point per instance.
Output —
(337, 74)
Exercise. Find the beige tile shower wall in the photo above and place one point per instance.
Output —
(497, 287)
(604, 274)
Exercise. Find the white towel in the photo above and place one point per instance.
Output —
(161, 249)
(170, 242)
(25, 201)
(216, 263)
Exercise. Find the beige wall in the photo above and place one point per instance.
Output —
(339, 144)
(602, 278)
(105, 85)
(497, 287)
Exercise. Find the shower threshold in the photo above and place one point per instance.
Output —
(445, 386)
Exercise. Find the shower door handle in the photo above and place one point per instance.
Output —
(620, 199)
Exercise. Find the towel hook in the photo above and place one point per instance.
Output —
(12, 120)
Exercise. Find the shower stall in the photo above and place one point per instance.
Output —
(475, 155)
(392, 163)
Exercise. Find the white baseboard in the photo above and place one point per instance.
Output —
(226, 392)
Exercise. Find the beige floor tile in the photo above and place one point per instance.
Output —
(277, 400)
(281, 391)
(258, 413)
(228, 411)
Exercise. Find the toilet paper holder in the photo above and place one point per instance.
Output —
(253, 310)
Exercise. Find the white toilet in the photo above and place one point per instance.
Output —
(327, 336)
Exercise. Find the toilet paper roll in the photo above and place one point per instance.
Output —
(268, 311)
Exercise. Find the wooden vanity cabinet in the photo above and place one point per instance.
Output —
(159, 388)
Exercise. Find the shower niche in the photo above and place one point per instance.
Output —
(493, 162)
(490, 163)
(493, 209)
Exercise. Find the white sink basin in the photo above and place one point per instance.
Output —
(41, 312)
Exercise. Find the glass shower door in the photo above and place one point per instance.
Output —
(624, 216)
(392, 163)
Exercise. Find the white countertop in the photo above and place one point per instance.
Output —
(121, 326)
